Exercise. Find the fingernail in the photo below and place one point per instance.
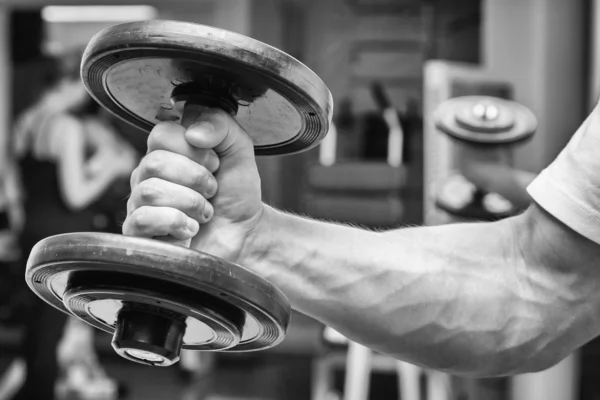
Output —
(212, 186)
(212, 162)
(193, 226)
(208, 211)
(202, 125)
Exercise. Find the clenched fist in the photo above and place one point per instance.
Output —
(200, 183)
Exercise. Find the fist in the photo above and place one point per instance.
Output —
(201, 182)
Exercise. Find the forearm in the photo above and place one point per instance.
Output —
(79, 191)
(460, 298)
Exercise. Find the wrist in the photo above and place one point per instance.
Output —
(258, 241)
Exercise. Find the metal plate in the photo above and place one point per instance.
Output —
(460, 198)
(132, 70)
(97, 297)
(267, 310)
(485, 120)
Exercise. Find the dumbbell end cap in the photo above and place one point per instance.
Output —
(148, 338)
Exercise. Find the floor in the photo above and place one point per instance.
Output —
(272, 378)
(264, 376)
(269, 377)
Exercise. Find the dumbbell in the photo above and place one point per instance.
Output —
(157, 296)
(484, 123)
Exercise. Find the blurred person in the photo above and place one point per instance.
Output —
(13, 296)
(11, 224)
(75, 170)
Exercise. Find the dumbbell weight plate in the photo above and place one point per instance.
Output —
(143, 71)
(95, 275)
(159, 297)
(460, 198)
(485, 120)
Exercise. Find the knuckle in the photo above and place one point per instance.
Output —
(179, 222)
(148, 190)
(139, 219)
(153, 164)
(161, 134)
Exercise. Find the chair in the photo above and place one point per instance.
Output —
(369, 194)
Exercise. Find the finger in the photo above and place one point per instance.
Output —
(160, 193)
(215, 129)
(151, 222)
(170, 136)
(177, 169)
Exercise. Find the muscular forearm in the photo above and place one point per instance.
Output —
(467, 298)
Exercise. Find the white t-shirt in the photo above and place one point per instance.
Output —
(569, 188)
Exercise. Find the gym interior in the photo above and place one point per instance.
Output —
(389, 159)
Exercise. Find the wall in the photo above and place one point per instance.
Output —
(174, 4)
(348, 48)
(77, 34)
(538, 46)
(258, 19)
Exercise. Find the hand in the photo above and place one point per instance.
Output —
(184, 169)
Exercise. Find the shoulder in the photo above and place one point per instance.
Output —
(61, 126)
(60, 133)
(63, 121)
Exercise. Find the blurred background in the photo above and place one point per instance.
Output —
(413, 54)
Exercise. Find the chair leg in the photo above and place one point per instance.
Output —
(322, 378)
(561, 382)
(438, 386)
(358, 372)
(409, 381)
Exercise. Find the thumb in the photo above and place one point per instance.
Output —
(215, 129)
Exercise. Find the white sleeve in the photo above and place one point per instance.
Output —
(569, 188)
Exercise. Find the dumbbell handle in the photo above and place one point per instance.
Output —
(191, 113)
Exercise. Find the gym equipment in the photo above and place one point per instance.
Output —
(359, 191)
(157, 296)
(485, 120)
(481, 121)
(368, 193)
(461, 198)
(146, 72)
